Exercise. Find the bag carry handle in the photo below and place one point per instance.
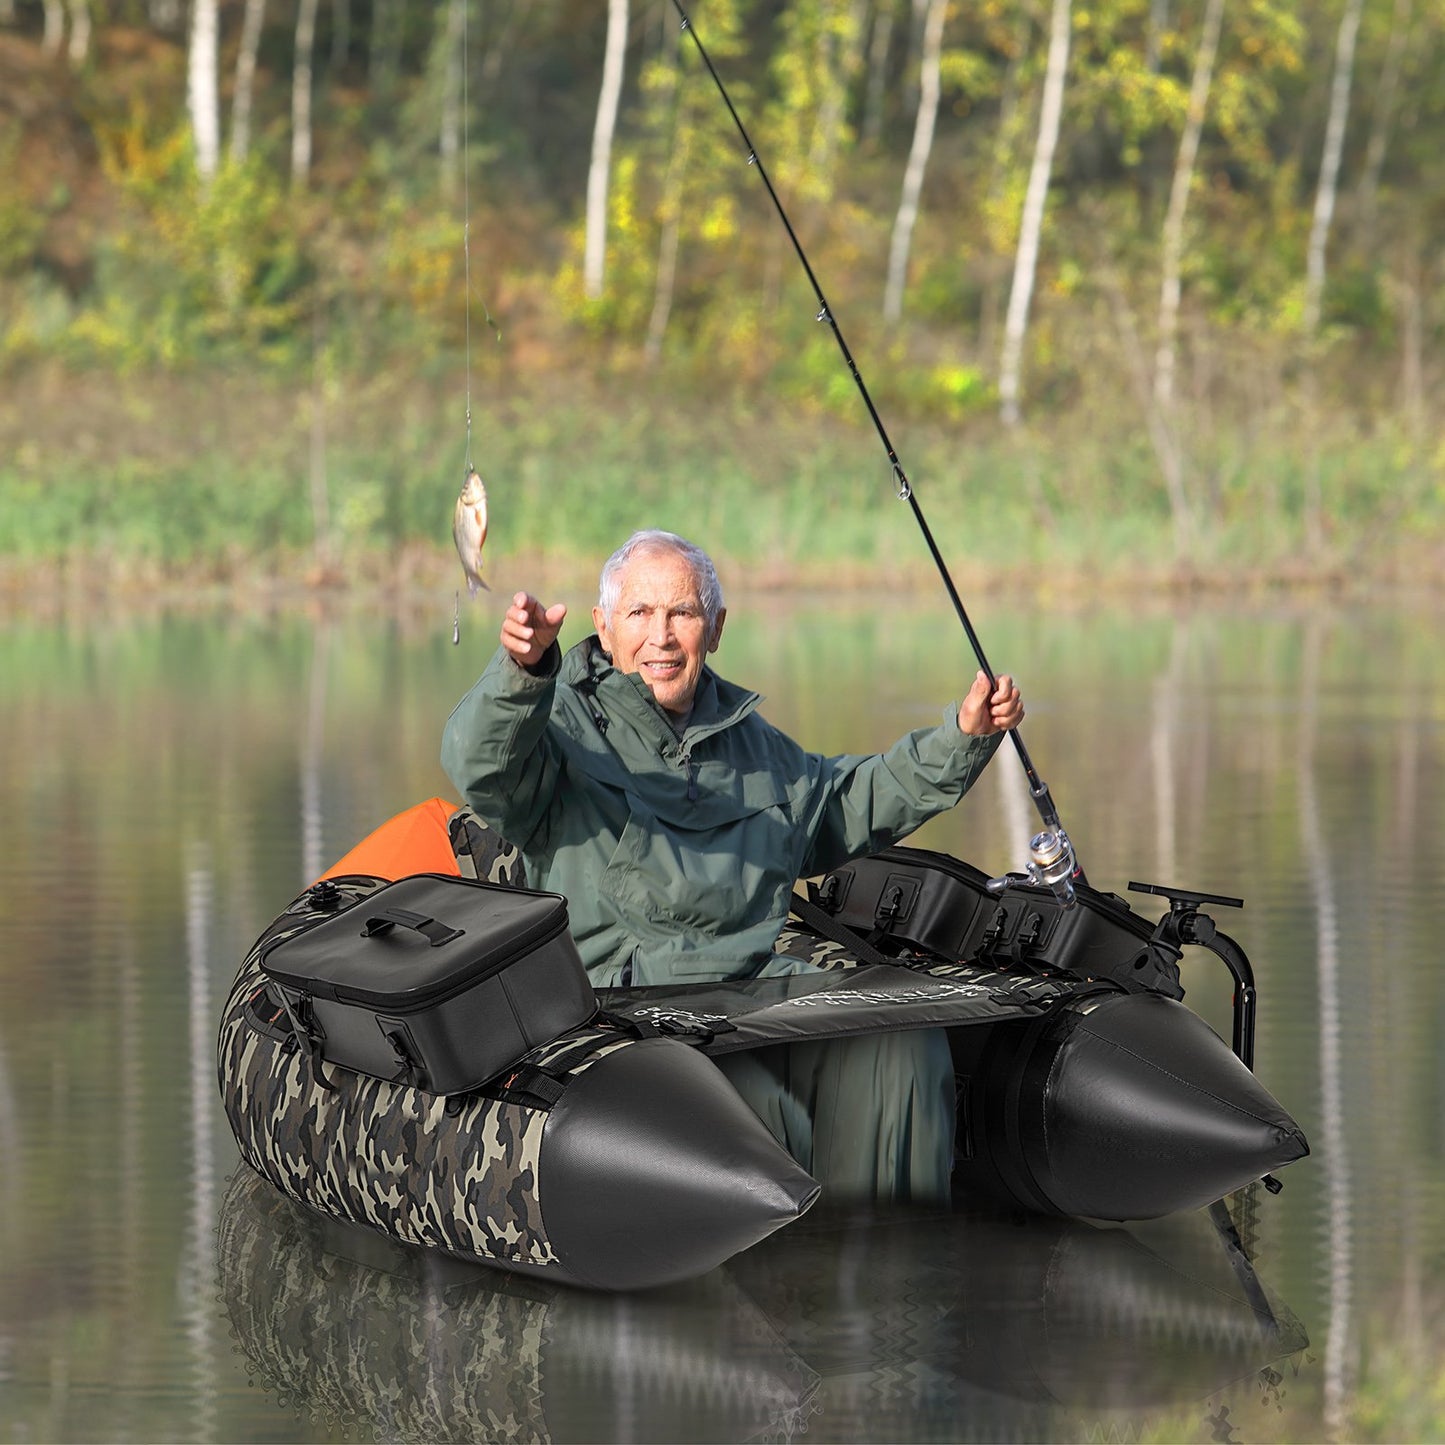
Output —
(429, 928)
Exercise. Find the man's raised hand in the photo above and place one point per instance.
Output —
(529, 629)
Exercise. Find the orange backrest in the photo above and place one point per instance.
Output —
(415, 841)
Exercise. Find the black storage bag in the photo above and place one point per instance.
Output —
(434, 981)
(927, 900)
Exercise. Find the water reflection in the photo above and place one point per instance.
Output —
(359, 1331)
(197, 1318)
(313, 742)
(173, 776)
(1339, 1255)
(860, 1326)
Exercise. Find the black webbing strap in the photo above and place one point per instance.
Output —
(667, 1028)
(821, 922)
(534, 1081)
(541, 1085)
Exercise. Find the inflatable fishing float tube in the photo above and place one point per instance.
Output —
(607, 1149)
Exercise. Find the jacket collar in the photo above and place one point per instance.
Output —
(718, 704)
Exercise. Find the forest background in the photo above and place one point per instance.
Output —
(1146, 292)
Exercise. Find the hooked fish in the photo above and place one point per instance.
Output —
(469, 530)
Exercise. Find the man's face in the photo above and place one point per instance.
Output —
(658, 629)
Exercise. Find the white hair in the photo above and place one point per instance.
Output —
(709, 589)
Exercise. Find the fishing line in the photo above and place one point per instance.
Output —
(466, 279)
(467, 465)
(467, 226)
(1038, 789)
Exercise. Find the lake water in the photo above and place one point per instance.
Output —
(169, 781)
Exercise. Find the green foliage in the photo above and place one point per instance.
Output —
(778, 490)
(805, 126)
(193, 270)
(136, 268)
(1402, 1396)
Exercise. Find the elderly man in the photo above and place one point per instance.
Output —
(675, 819)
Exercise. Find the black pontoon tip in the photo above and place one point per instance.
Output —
(654, 1170)
(1125, 1107)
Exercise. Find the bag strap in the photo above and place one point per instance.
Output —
(820, 921)
(535, 1085)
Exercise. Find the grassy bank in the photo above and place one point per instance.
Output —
(213, 480)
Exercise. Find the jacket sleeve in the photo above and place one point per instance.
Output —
(496, 749)
(862, 804)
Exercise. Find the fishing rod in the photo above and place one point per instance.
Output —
(1053, 857)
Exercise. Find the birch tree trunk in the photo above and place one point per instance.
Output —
(202, 88)
(79, 31)
(301, 93)
(1319, 236)
(251, 26)
(1173, 248)
(923, 127)
(451, 122)
(54, 33)
(1330, 163)
(1031, 226)
(595, 245)
(1002, 152)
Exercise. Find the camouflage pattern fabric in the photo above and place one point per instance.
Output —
(482, 852)
(820, 952)
(457, 1175)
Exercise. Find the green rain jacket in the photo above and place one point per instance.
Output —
(678, 854)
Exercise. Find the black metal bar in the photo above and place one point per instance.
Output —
(1245, 994)
(1184, 923)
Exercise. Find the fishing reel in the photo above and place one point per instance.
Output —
(1051, 865)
